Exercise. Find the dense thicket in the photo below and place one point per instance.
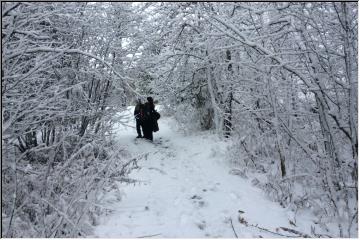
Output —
(63, 80)
(280, 79)
(277, 79)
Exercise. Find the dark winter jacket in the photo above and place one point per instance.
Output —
(139, 111)
(149, 108)
(151, 116)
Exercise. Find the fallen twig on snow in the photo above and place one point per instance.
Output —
(233, 228)
(269, 231)
(149, 235)
(244, 222)
(304, 235)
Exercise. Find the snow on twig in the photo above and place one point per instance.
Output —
(75, 51)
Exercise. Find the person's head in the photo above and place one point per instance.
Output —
(150, 99)
(138, 101)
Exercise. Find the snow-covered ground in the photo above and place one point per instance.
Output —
(185, 190)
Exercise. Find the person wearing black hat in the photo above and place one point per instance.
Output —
(148, 123)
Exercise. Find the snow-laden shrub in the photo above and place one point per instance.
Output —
(59, 198)
(59, 96)
(306, 185)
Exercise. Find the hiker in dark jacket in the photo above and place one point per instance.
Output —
(139, 115)
(150, 119)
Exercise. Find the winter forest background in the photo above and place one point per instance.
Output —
(278, 80)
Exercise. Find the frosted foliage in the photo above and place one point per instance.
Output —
(276, 80)
(61, 88)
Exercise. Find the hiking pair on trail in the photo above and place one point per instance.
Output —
(146, 118)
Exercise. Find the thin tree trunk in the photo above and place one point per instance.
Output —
(351, 80)
(212, 94)
(277, 131)
(229, 99)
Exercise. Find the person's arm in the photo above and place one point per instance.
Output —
(136, 110)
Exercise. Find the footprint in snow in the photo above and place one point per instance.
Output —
(196, 197)
(201, 225)
(170, 155)
(201, 203)
(157, 169)
(198, 201)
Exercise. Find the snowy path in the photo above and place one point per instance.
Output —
(186, 191)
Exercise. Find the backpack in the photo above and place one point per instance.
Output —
(155, 126)
(156, 115)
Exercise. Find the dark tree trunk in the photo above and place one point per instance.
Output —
(228, 101)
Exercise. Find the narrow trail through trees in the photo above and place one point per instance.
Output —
(184, 189)
(277, 80)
